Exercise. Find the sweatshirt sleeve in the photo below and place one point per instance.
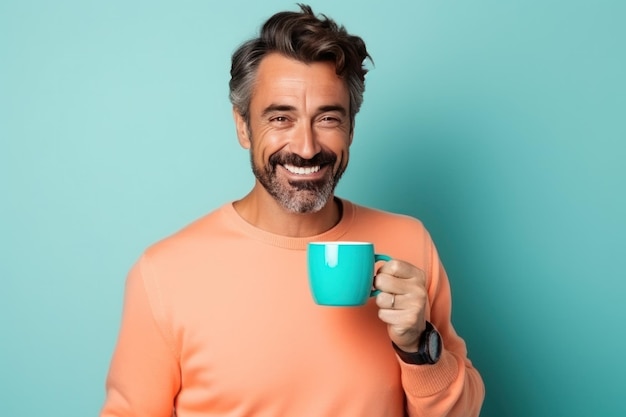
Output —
(451, 387)
(144, 375)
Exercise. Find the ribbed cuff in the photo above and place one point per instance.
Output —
(426, 380)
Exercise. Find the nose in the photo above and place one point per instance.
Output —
(304, 141)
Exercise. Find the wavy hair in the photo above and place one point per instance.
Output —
(307, 38)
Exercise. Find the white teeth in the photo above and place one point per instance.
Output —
(302, 170)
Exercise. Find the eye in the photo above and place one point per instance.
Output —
(280, 120)
(330, 120)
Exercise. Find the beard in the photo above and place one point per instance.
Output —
(301, 196)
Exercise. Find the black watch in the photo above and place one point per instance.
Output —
(428, 350)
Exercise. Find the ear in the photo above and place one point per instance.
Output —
(242, 129)
(351, 135)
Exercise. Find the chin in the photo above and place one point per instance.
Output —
(304, 205)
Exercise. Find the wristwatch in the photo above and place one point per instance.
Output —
(428, 350)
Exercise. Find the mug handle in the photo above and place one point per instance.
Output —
(377, 258)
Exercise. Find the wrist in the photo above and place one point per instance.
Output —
(428, 350)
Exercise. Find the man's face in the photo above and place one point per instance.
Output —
(299, 131)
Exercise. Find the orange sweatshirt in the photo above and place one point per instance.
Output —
(218, 320)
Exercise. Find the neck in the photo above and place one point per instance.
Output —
(262, 211)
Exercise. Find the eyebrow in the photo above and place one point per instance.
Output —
(272, 108)
(336, 107)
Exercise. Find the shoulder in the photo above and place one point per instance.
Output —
(399, 235)
(378, 218)
(190, 239)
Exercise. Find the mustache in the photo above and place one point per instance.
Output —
(321, 158)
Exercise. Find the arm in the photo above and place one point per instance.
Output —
(452, 386)
(144, 376)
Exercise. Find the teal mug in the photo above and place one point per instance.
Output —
(342, 273)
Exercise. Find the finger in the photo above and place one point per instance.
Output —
(386, 300)
(402, 269)
(394, 285)
(395, 267)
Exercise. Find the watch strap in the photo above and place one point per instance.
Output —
(423, 355)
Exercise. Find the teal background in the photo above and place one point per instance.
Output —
(501, 124)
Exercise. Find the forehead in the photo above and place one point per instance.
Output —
(280, 78)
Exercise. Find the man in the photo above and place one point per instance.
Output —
(218, 319)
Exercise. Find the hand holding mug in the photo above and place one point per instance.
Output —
(402, 300)
(342, 274)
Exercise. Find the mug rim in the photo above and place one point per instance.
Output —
(341, 242)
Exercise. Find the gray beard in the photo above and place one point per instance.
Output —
(299, 196)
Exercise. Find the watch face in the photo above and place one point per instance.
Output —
(434, 346)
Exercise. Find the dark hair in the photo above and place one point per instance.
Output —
(307, 38)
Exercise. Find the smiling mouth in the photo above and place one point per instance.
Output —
(302, 170)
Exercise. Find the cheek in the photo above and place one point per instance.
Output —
(259, 148)
(344, 158)
(343, 154)
(268, 142)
